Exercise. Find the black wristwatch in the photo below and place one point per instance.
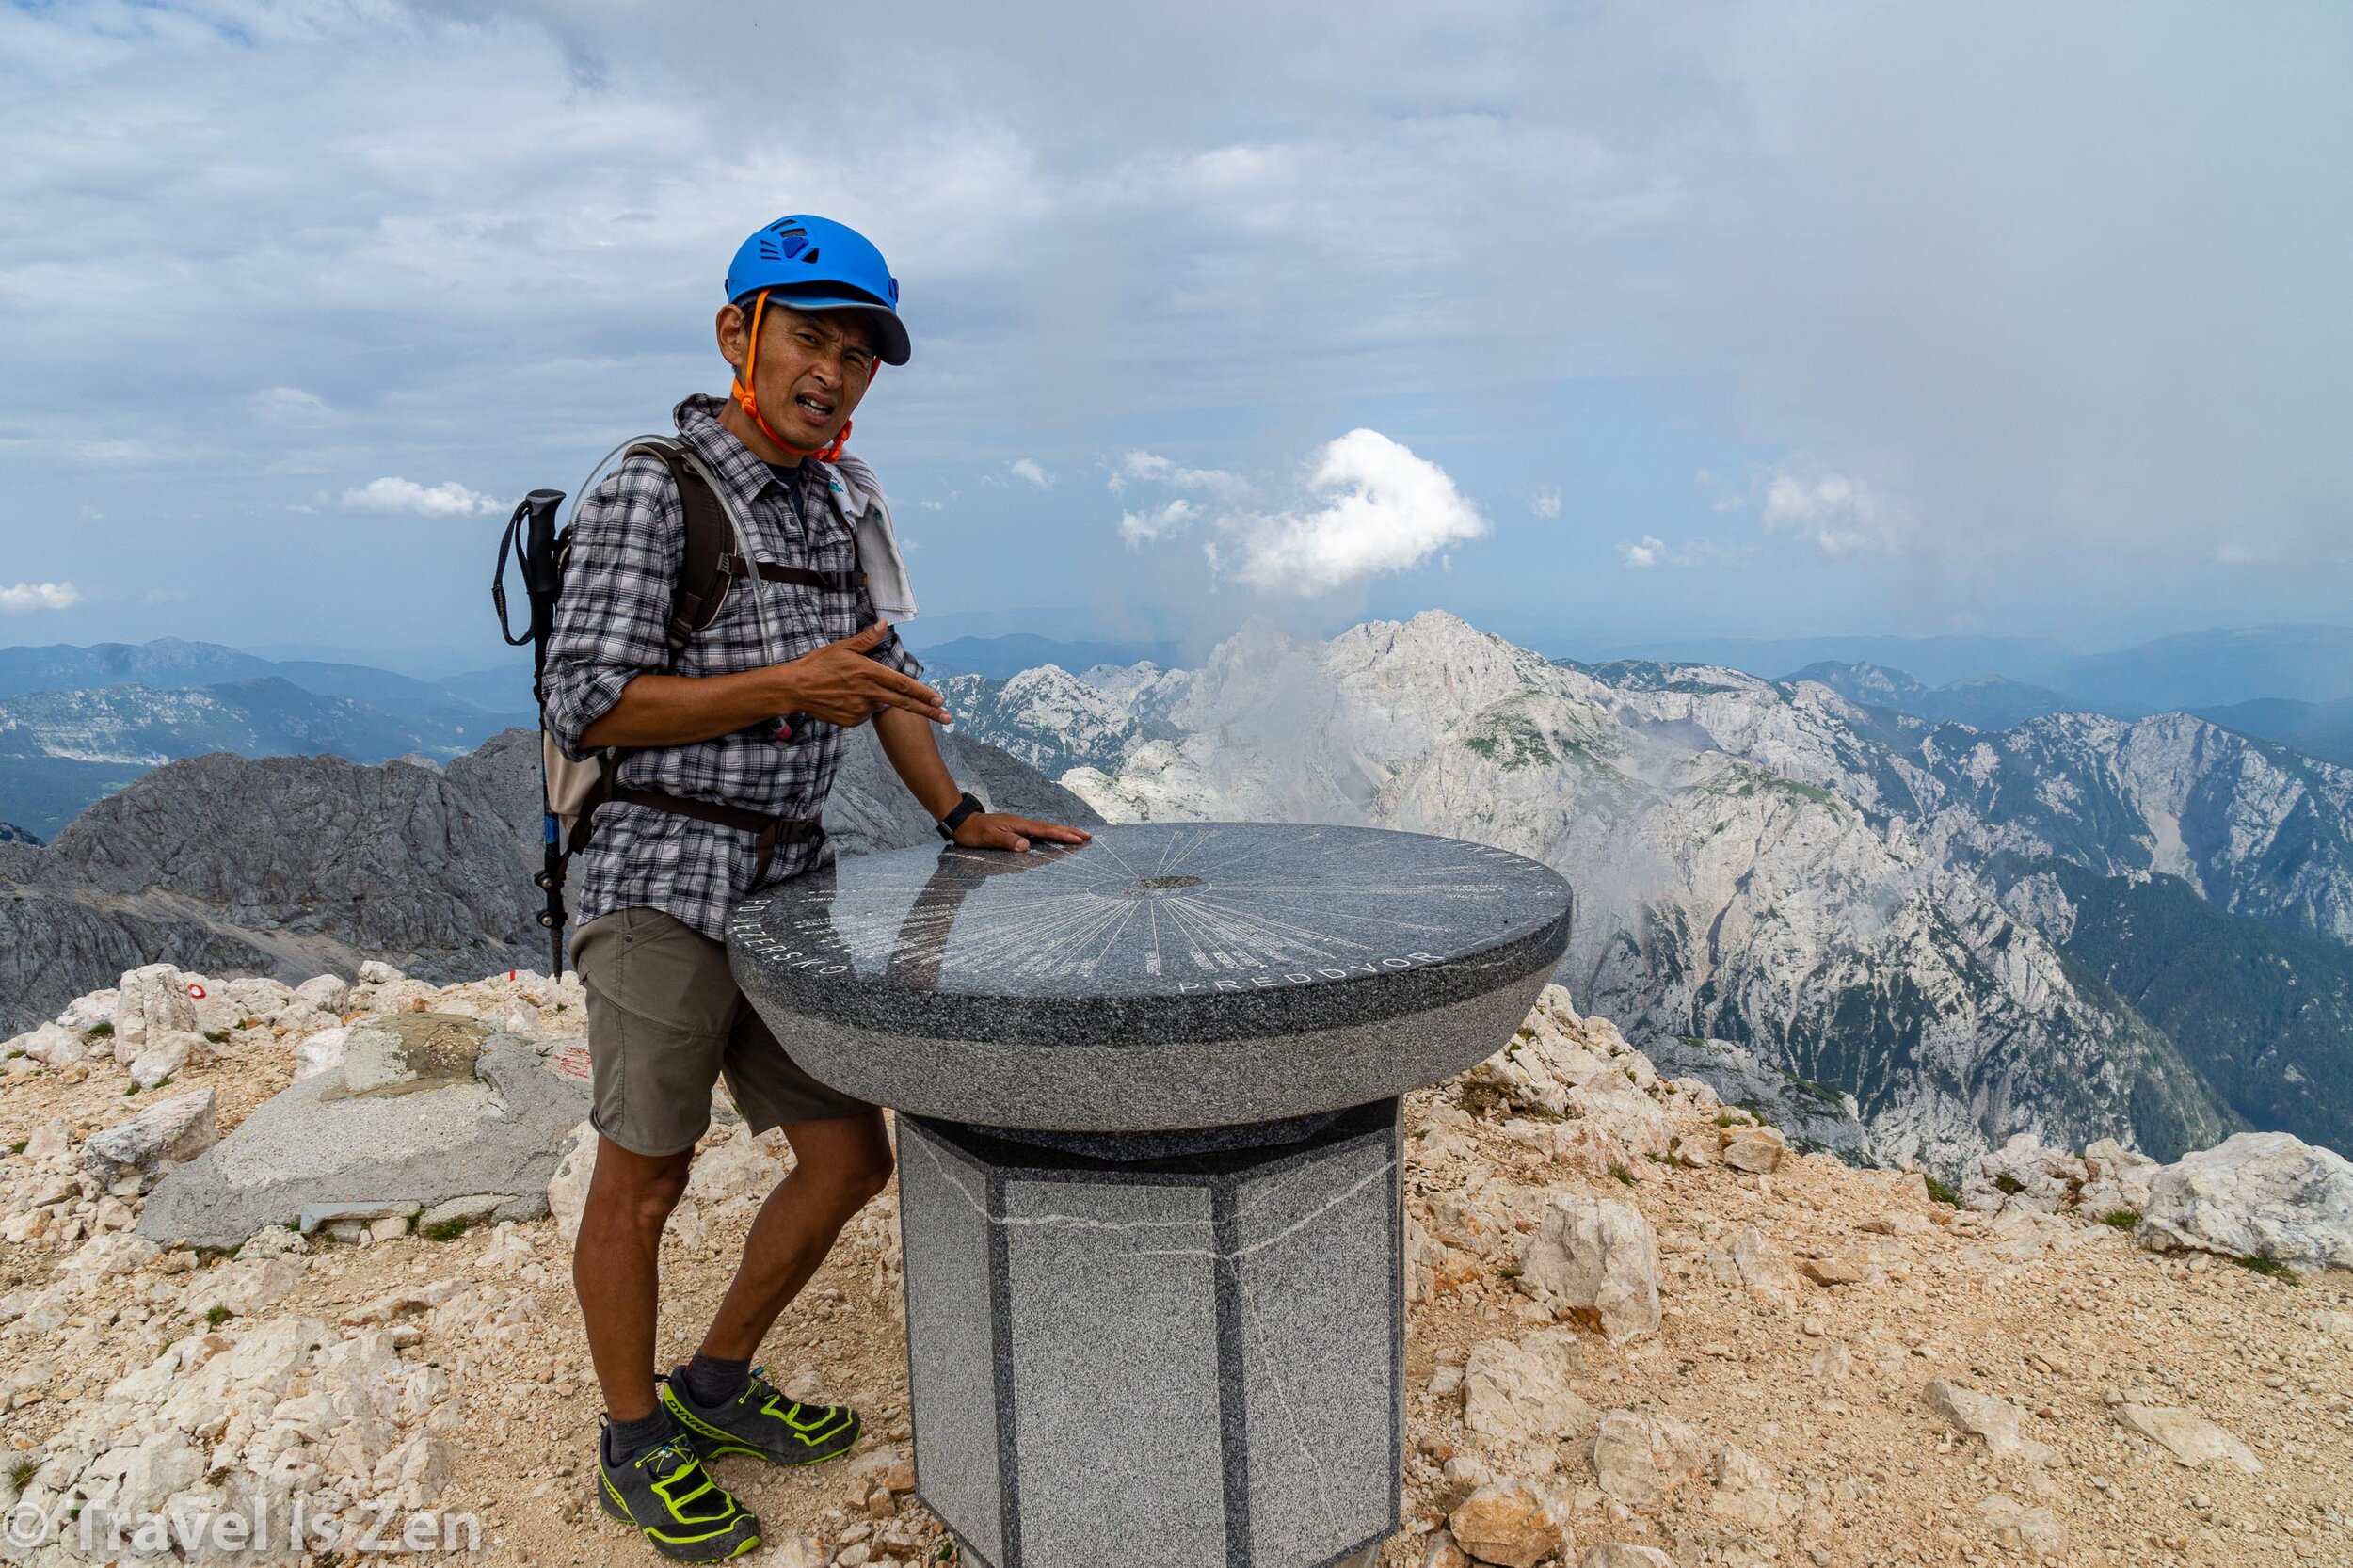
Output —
(954, 819)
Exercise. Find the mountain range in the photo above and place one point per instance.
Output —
(297, 866)
(79, 723)
(1927, 915)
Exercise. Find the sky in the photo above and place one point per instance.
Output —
(1590, 322)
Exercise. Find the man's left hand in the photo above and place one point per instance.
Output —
(1003, 830)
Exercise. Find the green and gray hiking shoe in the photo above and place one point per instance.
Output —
(762, 1422)
(667, 1493)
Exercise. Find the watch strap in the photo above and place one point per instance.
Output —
(954, 819)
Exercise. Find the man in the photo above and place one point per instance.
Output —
(749, 717)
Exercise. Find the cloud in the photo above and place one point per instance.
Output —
(1378, 508)
(1150, 467)
(1026, 468)
(1138, 528)
(1641, 557)
(1546, 504)
(25, 597)
(448, 500)
(1837, 511)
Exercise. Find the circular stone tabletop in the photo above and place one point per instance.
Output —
(1165, 975)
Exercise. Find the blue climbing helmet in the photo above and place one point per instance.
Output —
(814, 264)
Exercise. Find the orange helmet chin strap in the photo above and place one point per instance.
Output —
(750, 402)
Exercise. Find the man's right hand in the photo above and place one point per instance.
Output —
(840, 684)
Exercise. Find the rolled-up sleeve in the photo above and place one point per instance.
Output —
(611, 620)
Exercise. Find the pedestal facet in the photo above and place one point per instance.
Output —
(1181, 1362)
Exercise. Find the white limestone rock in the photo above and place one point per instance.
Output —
(164, 1134)
(166, 1055)
(321, 1052)
(2116, 1178)
(151, 1000)
(52, 1044)
(2018, 1527)
(1744, 1258)
(1517, 1391)
(329, 993)
(2024, 1175)
(2190, 1438)
(2257, 1195)
(1988, 1416)
(1598, 1256)
(1639, 1456)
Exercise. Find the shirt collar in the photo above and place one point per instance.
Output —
(729, 460)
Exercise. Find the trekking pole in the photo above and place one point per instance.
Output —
(531, 532)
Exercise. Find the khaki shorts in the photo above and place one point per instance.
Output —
(665, 1020)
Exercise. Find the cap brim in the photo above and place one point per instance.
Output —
(891, 331)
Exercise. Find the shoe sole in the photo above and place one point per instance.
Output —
(615, 1513)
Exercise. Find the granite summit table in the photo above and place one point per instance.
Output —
(1149, 1160)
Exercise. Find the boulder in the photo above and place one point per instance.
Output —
(52, 1045)
(167, 1053)
(2016, 1527)
(2024, 1175)
(1517, 1391)
(2115, 1178)
(322, 1052)
(326, 992)
(1757, 1150)
(2190, 1438)
(1639, 1457)
(165, 1134)
(151, 1000)
(1744, 1258)
(1600, 1256)
(434, 1108)
(1988, 1416)
(1748, 1492)
(2258, 1194)
(1508, 1523)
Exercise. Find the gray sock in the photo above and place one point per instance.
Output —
(711, 1382)
(626, 1440)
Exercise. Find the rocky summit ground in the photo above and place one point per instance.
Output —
(1643, 1330)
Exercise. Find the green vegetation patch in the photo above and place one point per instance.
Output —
(2270, 1268)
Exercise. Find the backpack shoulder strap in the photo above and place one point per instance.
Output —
(703, 573)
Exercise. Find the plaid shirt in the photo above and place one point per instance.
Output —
(618, 584)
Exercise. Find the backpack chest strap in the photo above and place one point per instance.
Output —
(768, 571)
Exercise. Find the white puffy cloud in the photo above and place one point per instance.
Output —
(1644, 555)
(21, 598)
(1027, 468)
(1838, 512)
(1150, 467)
(1373, 506)
(394, 494)
(1546, 504)
(1139, 528)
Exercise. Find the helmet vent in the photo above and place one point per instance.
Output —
(812, 254)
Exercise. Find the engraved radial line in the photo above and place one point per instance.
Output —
(1105, 846)
(1383, 922)
(1244, 931)
(1218, 917)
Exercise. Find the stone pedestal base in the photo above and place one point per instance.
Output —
(1194, 1360)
